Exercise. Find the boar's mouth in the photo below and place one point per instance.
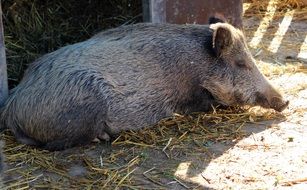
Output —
(276, 102)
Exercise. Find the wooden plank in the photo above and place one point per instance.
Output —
(196, 11)
(3, 68)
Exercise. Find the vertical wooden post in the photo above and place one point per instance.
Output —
(3, 71)
(154, 11)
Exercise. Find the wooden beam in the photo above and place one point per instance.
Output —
(196, 11)
(3, 68)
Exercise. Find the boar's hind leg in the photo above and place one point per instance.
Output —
(24, 139)
(104, 136)
(62, 144)
(82, 135)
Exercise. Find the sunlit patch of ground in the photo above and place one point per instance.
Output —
(274, 158)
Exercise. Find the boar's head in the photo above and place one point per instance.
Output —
(233, 77)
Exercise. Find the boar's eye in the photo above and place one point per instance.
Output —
(241, 64)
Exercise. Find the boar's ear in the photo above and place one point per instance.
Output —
(217, 18)
(213, 20)
(222, 38)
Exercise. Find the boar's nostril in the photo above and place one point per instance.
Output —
(278, 104)
(284, 106)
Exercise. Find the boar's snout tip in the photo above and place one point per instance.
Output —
(276, 102)
(279, 105)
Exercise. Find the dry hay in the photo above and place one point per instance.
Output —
(260, 5)
(259, 8)
(34, 27)
(270, 70)
(34, 168)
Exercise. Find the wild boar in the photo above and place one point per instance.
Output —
(131, 77)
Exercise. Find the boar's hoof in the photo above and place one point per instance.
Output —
(96, 140)
(104, 136)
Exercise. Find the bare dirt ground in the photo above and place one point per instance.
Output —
(236, 150)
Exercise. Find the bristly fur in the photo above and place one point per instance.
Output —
(129, 78)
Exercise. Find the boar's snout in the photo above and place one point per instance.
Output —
(279, 104)
(272, 99)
